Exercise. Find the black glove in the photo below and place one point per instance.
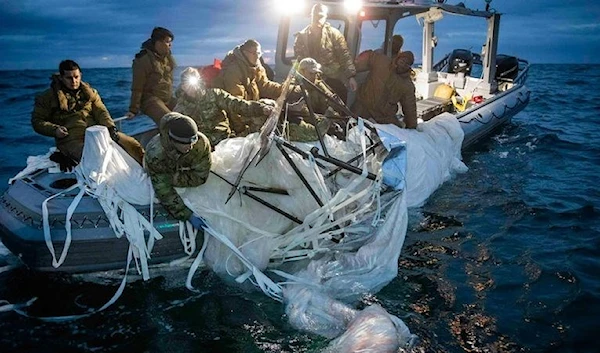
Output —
(113, 131)
(65, 162)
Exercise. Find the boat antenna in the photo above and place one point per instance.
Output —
(487, 5)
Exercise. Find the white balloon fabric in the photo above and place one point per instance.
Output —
(433, 155)
(318, 274)
(341, 240)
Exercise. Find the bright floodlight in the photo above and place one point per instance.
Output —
(289, 7)
(353, 6)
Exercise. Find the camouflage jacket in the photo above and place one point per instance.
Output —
(301, 123)
(152, 77)
(211, 111)
(76, 111)
(318, 102)
(332, 52)
(168, 168)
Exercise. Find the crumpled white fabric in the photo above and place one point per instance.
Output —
(317, 276)
(106, 164)
(35, 163)
(117, 181)
(434, 155)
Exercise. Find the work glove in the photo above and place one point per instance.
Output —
(65, 162)
(197, 222)
(114, 135)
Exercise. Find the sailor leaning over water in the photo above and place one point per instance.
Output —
(178, 157)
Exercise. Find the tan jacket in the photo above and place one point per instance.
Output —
(76, 111)
(152, 77)
(244, 80)
(387, 84)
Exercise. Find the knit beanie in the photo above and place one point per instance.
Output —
(160, 33)
(183, 129)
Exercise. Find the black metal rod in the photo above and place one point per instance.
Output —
(338, 163)
(304, 154)
(311, 112)
(244, 190)
(355, 158)
(302, 178)
(333, 98)
(267, 204)
(269, 190)
(238, 180)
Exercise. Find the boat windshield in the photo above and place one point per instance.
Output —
(372, 34)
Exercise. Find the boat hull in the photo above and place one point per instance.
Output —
(94, 245)
(481, 120)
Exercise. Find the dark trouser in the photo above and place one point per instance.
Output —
(155, 108)
(338, 88)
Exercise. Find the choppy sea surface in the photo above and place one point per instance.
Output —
(503, 258)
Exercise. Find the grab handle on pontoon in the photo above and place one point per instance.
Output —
(118, 121)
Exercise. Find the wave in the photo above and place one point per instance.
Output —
(37, 86)
(122, 83)
(576, 82)
(18, 99)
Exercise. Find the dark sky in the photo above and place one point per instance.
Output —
(38, 34)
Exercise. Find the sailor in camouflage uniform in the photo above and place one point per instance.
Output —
(302, 124)
(69, 107)
(211, 107)
(178, 157)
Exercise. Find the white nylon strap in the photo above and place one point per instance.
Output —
(46, 225)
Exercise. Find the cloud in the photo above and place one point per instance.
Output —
(109, 32)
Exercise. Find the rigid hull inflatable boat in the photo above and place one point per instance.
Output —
(482, 90)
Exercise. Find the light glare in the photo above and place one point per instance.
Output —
(289, 7)
(193, 81)
(352, 6)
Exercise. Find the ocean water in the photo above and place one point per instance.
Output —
(503, 258)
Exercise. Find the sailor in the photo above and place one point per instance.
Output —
(388, 83)
(243, 76)
(211, 108)
(302, 124)
(178, 157)
(327, 45)
(67, 108)
(152, 85)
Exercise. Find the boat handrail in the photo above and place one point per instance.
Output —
(440, 65)
(118, 121)
(522, 76)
